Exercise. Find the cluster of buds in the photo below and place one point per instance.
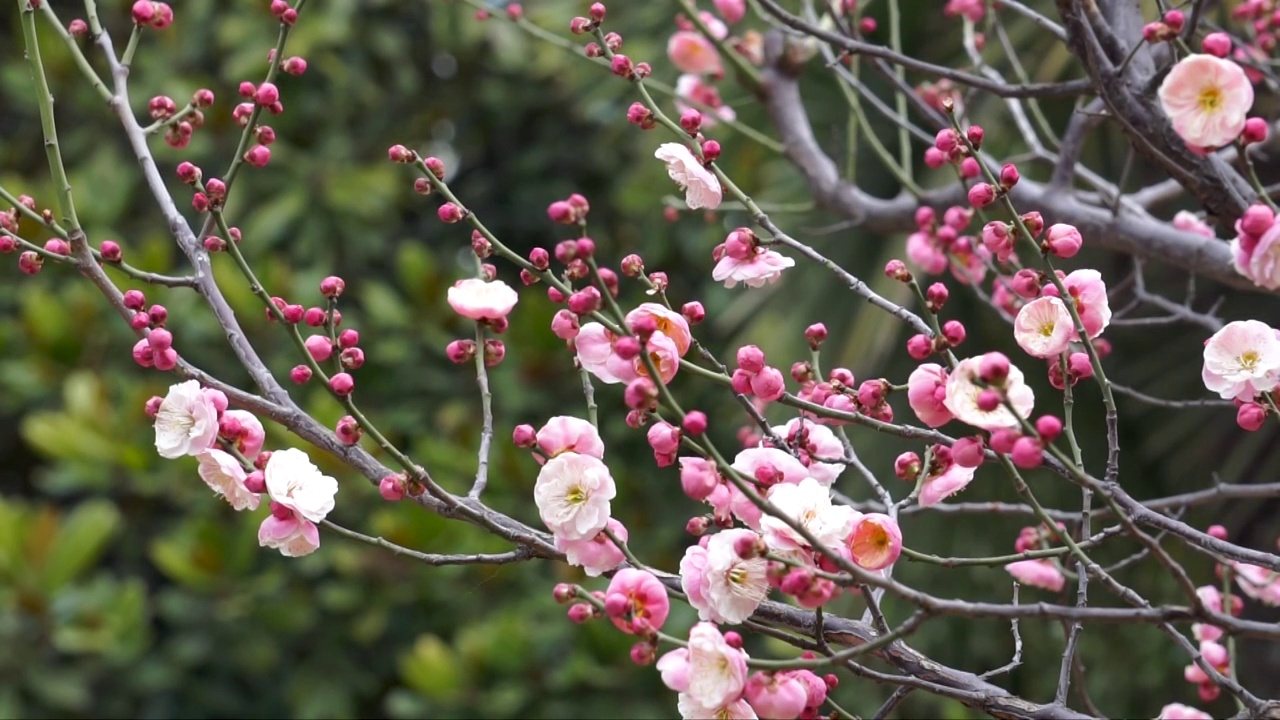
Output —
(948, 147)
(569, 211)
(156, 348)
(753, 377)
(588, 25)
(286, 14)
(841, 392)
(182, 123)
(156, 15)
(1166, 29)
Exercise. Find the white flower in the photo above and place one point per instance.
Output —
(691, 709)
(734, 587)
(717, 670)
(1241, 360)
(701, 187)
(222, 472)
(819, 442)
(963, 391)
(187, 421)
(789, 469)
(759, 270)
(1043, 327)
(808, 504)
(479, 300)
(572, 494)
(294, 482)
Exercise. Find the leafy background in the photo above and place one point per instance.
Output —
(127, 590)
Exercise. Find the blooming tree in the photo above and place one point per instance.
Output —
(793, 518)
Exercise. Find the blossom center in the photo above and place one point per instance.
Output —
(1046, 329)
(576, 495)
(1210, 99)
(1249, 360)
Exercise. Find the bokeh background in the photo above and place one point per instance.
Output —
(126, 589)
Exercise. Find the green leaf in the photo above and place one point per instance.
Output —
(81, 538)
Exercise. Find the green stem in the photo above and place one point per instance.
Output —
(81, 61)
(48, 128)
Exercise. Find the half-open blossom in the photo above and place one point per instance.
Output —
(779, 464)
(295, 482)
(927, 394)
(940, 486)
(664, 355)
(876, 541)
(778, 695)
(761, 268)
(1241, 360)
(807, 504)
(701, 186)
(733, 587)
(1043, 327)
(1259, 260)
(646, 606)
(710, 671)
(596, 555)
(292, 535)
(669, 323)
(565, 433)
(1258, 583)
(963, 391)
(1178, 711)
(816, 441)
(224, 475)
(187, 421)
(573, 493)
(1208, 99)
(1037, 573)
(690, 52)
(480, 300)
(252, 434)
(1089, 292)
(691, 709)
(595, 345)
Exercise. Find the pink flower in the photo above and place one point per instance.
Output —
(294, 482)
(252, 434)
(698, 477)
(876, 541)
(292, 535)
(572, 494)
(807, 504)
(816, 441)
(1043, 327)
(690, 52)
(595, 354)
(763, 267)
(670, 323)
(691, 709)
(597, 555)
(479, 300)
(728, 588)
(1258, 583)
(973, 10)
(943, 485)
(1207, 98)
(924, 251)
(564, 433)
(224, 475)
(1037, 573)
(663, 353)
(710, 671)
(731, 10)
(927, 393)
(777, 695)
(693, 89)
(187, 421)
(701, 186)
(646, 605)
(1259, 260)
(758, 462)
(1178, 711)
(1090, 294)
(742, 508)
(963, 391)
(1189, 222)
(1241, 360)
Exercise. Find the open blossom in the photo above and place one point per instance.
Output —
(786, 468)
(940, 486)
(291, 534)
(565, 433)
(691, 709)
(701, 186)
(926, 253)
(1178, 711)
(1089, 292)
(1188, 222)
(1241, 360)
(763, 267)
(663, 353)
(1207, 98)
(963, 391)
(1043, 327)
(1259, 260)
(480, 300)
(876, 541)
(710, 671)
(927, 394)
(646, 605)
(572, 494)
(808, 504)
(670, 323)
(296, 483)
(252, 434)
(1037, 573)
(224, 475)
(690, 52)
(694, 89)
(187, 421)
(815, 441)
(595, 354)
(727, 587)
(1258, 583)
(597, 555)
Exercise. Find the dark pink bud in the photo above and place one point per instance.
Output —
(695, 422)
(1027, 453)
(750, 359)
(710, 151)
(815, 335)
(1174, 19)
(153, 406)
(111, 251)
(314, 317)
(1009, 176)
(319, 347)
(907, 466)
(266, 94)
(968, 452)
(399, 154)
(300, 374)
(1216, 44)
(946, 140)
(524, 436)
(461, 351)
(1063, 240)
(994, 368)
(936, 296)
(258, 155)
(561, 212)
(1002, 440)
(135, 300)
(1026, 283)
(641, 394)
(585, 301)
(988, 400)
(627, 347)
(1251, 416)
(691, 121)
(693, 312)
(953, 331)
(1079, 365)
(1034, 223)
(451, 213)
(621, 66)
(1255, 131)
(391, 488)
(342, 384)
(347, 429)
(1049, 427)
(897, 270)
(292, 313)
(332, 286)
(969, 168)
(139, 321)
(351, 358)
(294, 66)
(919, 346)
(975, 135)
(597, 12)
(982, 195)
(1257, 220)
(1217, 531)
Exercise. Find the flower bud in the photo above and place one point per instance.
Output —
(982, 195)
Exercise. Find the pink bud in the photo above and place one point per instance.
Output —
(710, 151)
(1049, 427)
(1257, 220)
(319, 347)
(1026, 283)
(919, 347)
(969, 168)
(391, 488)
(953, 331)
(1063, 240)
(968, 452)
(691, 121)
(585, 301)
(342, 384)
(135, 300)
(946, 140)
(693, 312)
(1027, 453)
(451, 213)
(815, 335)
(160, 339)
(266, 94)
(1255, 131)
(988, 400)
(399, 154)
(975, 135)
(495, 351)
(300, 374)
(621, 66)
(348, 430)
(981, 195)
(1217, 531)
(1002, 440)
(351, 358)
(934, 158)
(750, 359)
(1174, 19)
(897, 270)
(695, 422)
(461, 351)
(994, 368)
(641, 394)
(1217, 44)
(1251, 416)
(1009, 176)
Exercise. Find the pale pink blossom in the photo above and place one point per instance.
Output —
(187, 421)
(572, 493)
(1178, 711)
(1241, 360)
(973, 10)
(646, 605)
(1037, 573)
(701, 186)
(691, 709)
(940, 486)
(753, 462)
(252, 434)
(924, 251)
(715, 25)
(596, 555)
(1043, 327)
(565, 433)
(731, 10)
(669, 322)
(294, 482)
(1203, 632)
(693, 89)
(1089, 292)
(1259, 260)
(927, 394)
(969, 263)
(747, 512)
(690, 52)
(710, 671)
(816, 441)
(1189, 222)
(963, 391)
(778, 696)
(876, 541)
(1258, 583)
(594, 345)
(807, 504)
(732, 588)
(224, 475)
(480, 300)
(1208, 99)
(663, 353)
(762, 268)
(293, 536)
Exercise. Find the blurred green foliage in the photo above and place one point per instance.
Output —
(127, 590)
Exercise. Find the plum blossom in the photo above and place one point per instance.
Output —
(477, 299)
(690, 52)
(286, 531)
(808, 504)
(1178, 711)
(710, 671)
(816, 441)
(762, 268)
(663, 353)
(1258, 583)
(252, 434)
(1241, 360)
(294, 482)
(1259, 259)
(224, 475)
(876, 541)
(721, 585)
(694, 89)
(701, 186)
(670, 323)
(927, 393)
(963, 391)
(691, 709)
(1207, 98)
(1043, 327)
(595, 354)
(1037, 573)
(941, 485)
(572, 493)
(644, 601)
(186, 422)
(780, 695)
(751, 461)
(597, 555)
(1188, 222)
(1090, 294)
(565, 433)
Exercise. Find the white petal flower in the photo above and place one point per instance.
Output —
(717, 670)
(963, 391)
(187, 421)
(573, 493)
(735, 587)
(691, 709)
(1043, 327)
(1242, 359)
(222, 472)
(701, 186)
(808, 504)
(296, 483)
